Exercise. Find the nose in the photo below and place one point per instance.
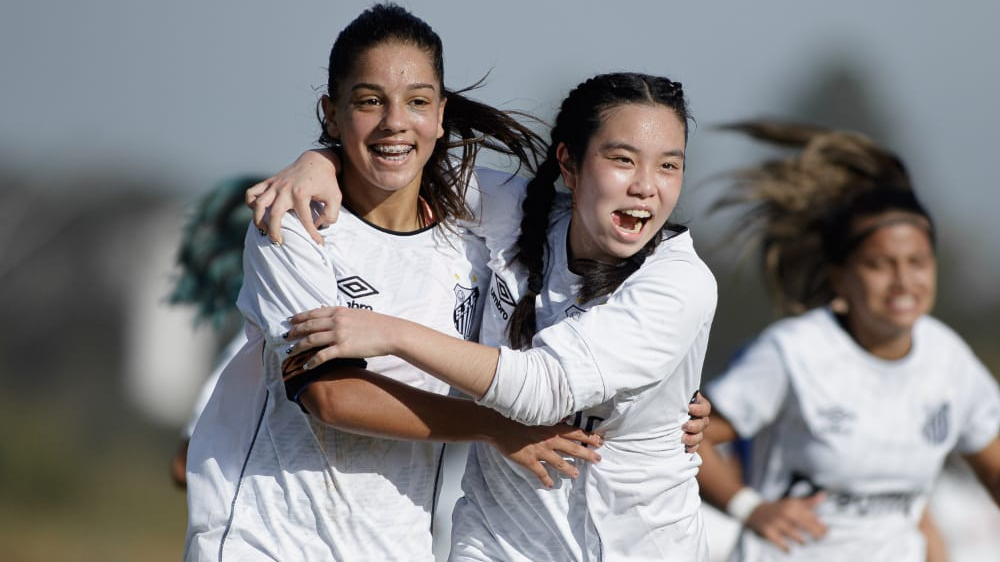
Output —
(393, 117)
(902, 275)
(643, 183)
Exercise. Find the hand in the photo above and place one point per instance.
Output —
(694, 430)
(788, 519)
(534, 447)
(341, 332)
(312, 177)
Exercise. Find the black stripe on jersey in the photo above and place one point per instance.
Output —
(246, 461)
(437, 485)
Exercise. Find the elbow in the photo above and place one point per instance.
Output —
(324, 405)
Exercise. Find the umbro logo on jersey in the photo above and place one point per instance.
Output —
(835, 420)
(356, 287)
(936, 427)
(574, 312)
(500, 295)
(465, 309)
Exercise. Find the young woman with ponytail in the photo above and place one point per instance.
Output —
(609, 311)
(343, 462)
(853, 400)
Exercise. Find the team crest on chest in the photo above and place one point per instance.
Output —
(465, 309)
(935, 429)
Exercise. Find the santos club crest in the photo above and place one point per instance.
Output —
(465, 309)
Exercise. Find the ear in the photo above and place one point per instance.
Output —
(330, 116)
(441, 117)
(566, 166)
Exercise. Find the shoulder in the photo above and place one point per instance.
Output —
(676, 261)
(934, 338)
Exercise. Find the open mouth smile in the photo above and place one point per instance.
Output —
(391, 152)
(630, 221)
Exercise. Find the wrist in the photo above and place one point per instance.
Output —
(743, 503)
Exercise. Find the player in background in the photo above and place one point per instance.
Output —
(854, 400)
(610, 310)
(342, 463)
(210, 258)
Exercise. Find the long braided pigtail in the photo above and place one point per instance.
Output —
(532, 245)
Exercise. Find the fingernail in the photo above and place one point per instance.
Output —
(285, 335)
(288, 350)
(262, 231)
(307, 365)
(694, 397)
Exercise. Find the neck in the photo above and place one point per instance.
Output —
(884, 346)
(398, 211)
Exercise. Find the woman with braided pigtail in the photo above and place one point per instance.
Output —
(852, 402)
(610, 311)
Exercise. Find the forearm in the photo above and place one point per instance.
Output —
(367, 403)
(986, 465)
(467, 366)
(717, 478)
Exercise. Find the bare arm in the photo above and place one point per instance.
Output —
(788, 519)
(367, 403)
(986, 464)
(936, 549)
(341, 332)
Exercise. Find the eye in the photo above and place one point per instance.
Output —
(621, 158)
(420, 102)
(369, 101)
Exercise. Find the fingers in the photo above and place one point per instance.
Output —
(321, 312)
(538, 469)
(304, 211)
(574, 449)
(567, 431)
(331, 210)
(692, 440)
(562, 465)
(281, 205)
(259, 197)
(699, 407)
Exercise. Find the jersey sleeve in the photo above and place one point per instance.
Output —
(752, 389)
(980, 415)
(495, 198)
(280, 281)
(635, 339)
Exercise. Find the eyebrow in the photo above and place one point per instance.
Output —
(626, 146)
(369, 86)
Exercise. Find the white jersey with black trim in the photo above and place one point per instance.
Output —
(624, 366)
(268, 481)
(873, 434)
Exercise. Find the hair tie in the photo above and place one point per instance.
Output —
(534, 285)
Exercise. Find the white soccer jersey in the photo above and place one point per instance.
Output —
(268, 481)
(627, 369)
(826, 415)
(208, 387)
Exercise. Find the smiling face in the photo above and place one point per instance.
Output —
(628, 182)
(388, 116)
(888, 281)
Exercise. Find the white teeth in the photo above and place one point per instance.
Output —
(906, 301)
(392, 149)
(637, 213)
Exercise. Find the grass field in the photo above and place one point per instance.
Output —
(69, 496)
